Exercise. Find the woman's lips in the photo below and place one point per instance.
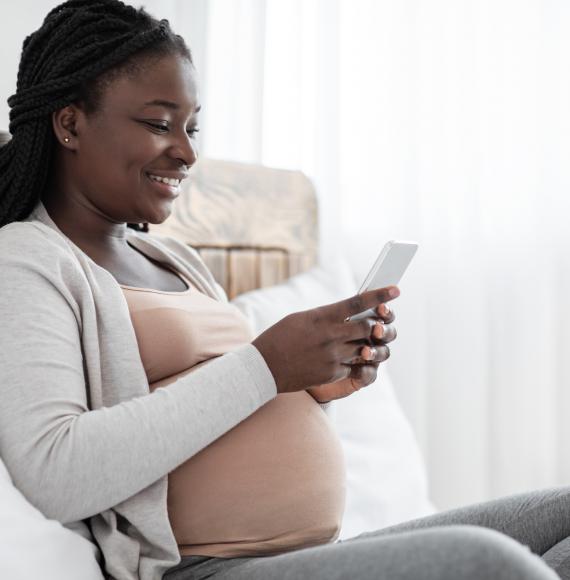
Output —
(165, 189)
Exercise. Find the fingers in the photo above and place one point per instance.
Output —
(386, 313)
(383, 333)
(369, 329)
(359, 330)
(342, 310)
(358, 353)
(372, 354)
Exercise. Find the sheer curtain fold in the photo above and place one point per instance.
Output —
(447, 122)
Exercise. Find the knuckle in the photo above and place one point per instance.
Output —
(333, 356)
(351, 332)
(317, 315)
(347, 333)
(327, 336)
(383, 295)
(355, 303)
(324, 343)
(288, 319)
(365, 327)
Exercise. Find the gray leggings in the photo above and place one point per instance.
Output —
(522, 537)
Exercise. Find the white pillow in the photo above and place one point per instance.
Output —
(32, 547)
(319, 286)
(386, 477)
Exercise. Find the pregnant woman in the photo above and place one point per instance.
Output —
(136, 405)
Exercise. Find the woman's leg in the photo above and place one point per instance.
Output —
(446, 553)
(539, 520)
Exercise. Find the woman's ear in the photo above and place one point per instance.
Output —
(65, 126)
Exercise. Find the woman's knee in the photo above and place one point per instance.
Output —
(486, 553)
(441, 553)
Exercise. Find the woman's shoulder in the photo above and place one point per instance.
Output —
(38, 268)
(33, 245)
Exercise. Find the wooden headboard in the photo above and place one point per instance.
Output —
(254, 226)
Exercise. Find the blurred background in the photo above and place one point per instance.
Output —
(441, 121)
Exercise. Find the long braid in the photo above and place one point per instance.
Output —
(79, 42)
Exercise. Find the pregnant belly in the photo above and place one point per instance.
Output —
(274, 483)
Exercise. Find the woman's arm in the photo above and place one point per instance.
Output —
(72, 462)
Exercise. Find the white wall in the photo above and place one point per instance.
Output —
(19, 19)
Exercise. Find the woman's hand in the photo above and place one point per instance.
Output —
(363, 371)
(320, 346)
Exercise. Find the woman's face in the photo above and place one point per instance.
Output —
(130, 154)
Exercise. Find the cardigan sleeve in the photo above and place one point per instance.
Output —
(73, 462)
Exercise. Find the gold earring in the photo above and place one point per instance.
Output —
(66, 139)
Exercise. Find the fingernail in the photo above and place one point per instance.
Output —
(367, 353)
(378, 331)
(384, 310)
(393, 292)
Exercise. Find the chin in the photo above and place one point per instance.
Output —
(160, 215)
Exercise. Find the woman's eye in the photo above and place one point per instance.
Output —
(164, 128)
(161, 127)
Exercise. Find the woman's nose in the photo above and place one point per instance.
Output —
(184, 150)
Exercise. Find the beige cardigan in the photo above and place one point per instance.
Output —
(79, 432)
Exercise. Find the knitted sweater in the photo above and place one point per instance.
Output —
(82, 437)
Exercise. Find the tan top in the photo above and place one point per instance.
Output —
(276, 481)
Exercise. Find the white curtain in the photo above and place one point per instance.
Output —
(446, 122)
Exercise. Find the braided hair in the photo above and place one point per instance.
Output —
(80, 48)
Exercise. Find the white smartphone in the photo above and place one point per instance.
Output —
(388, 269)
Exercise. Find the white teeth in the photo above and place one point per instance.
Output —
(173, 182)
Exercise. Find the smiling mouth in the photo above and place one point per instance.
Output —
(166, 180)
(167, 186)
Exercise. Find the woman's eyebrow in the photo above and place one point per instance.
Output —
(162, 103)
(168, 105)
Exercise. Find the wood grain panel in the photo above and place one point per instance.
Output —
(264, 219)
